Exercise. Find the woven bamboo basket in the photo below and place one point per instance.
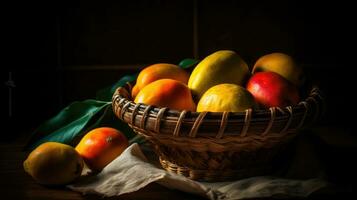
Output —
(218, 146)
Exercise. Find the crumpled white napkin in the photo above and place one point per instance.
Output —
(131, 171)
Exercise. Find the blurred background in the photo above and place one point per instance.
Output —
(58, 52)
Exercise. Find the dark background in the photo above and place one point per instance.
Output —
(62, 52)
(59, 52)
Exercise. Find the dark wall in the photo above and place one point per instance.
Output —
(58, 52)
(29, 42)
(126, 32)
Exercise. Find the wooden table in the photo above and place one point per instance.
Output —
(16, 184)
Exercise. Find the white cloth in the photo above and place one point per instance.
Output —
(131, 171)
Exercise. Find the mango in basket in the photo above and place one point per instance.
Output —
(54, 163)
(100, 146)
(272, 90)
(223, 66)
(226, 97)
(159, 71)
(167, 93)
(281, 64)
(134, 91)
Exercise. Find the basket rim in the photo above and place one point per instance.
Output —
(139, 115)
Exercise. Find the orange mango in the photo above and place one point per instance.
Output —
(134, 91)
(100, 146)
(167, 93)
(161, 71)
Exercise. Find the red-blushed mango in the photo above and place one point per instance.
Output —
(272, 90)
(101, 146)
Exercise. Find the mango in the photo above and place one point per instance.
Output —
(282, 64)
(224, 66)
(167, 93)
(226, 97)
(54, 163)
(160, 71)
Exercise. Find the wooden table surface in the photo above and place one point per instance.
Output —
(16, 184)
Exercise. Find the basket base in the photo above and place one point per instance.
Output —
(203, 165)
(215, 175)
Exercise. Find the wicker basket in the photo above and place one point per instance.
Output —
(216, 146)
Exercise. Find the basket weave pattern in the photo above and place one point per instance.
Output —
(216, 146)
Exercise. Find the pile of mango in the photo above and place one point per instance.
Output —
(221, 82)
